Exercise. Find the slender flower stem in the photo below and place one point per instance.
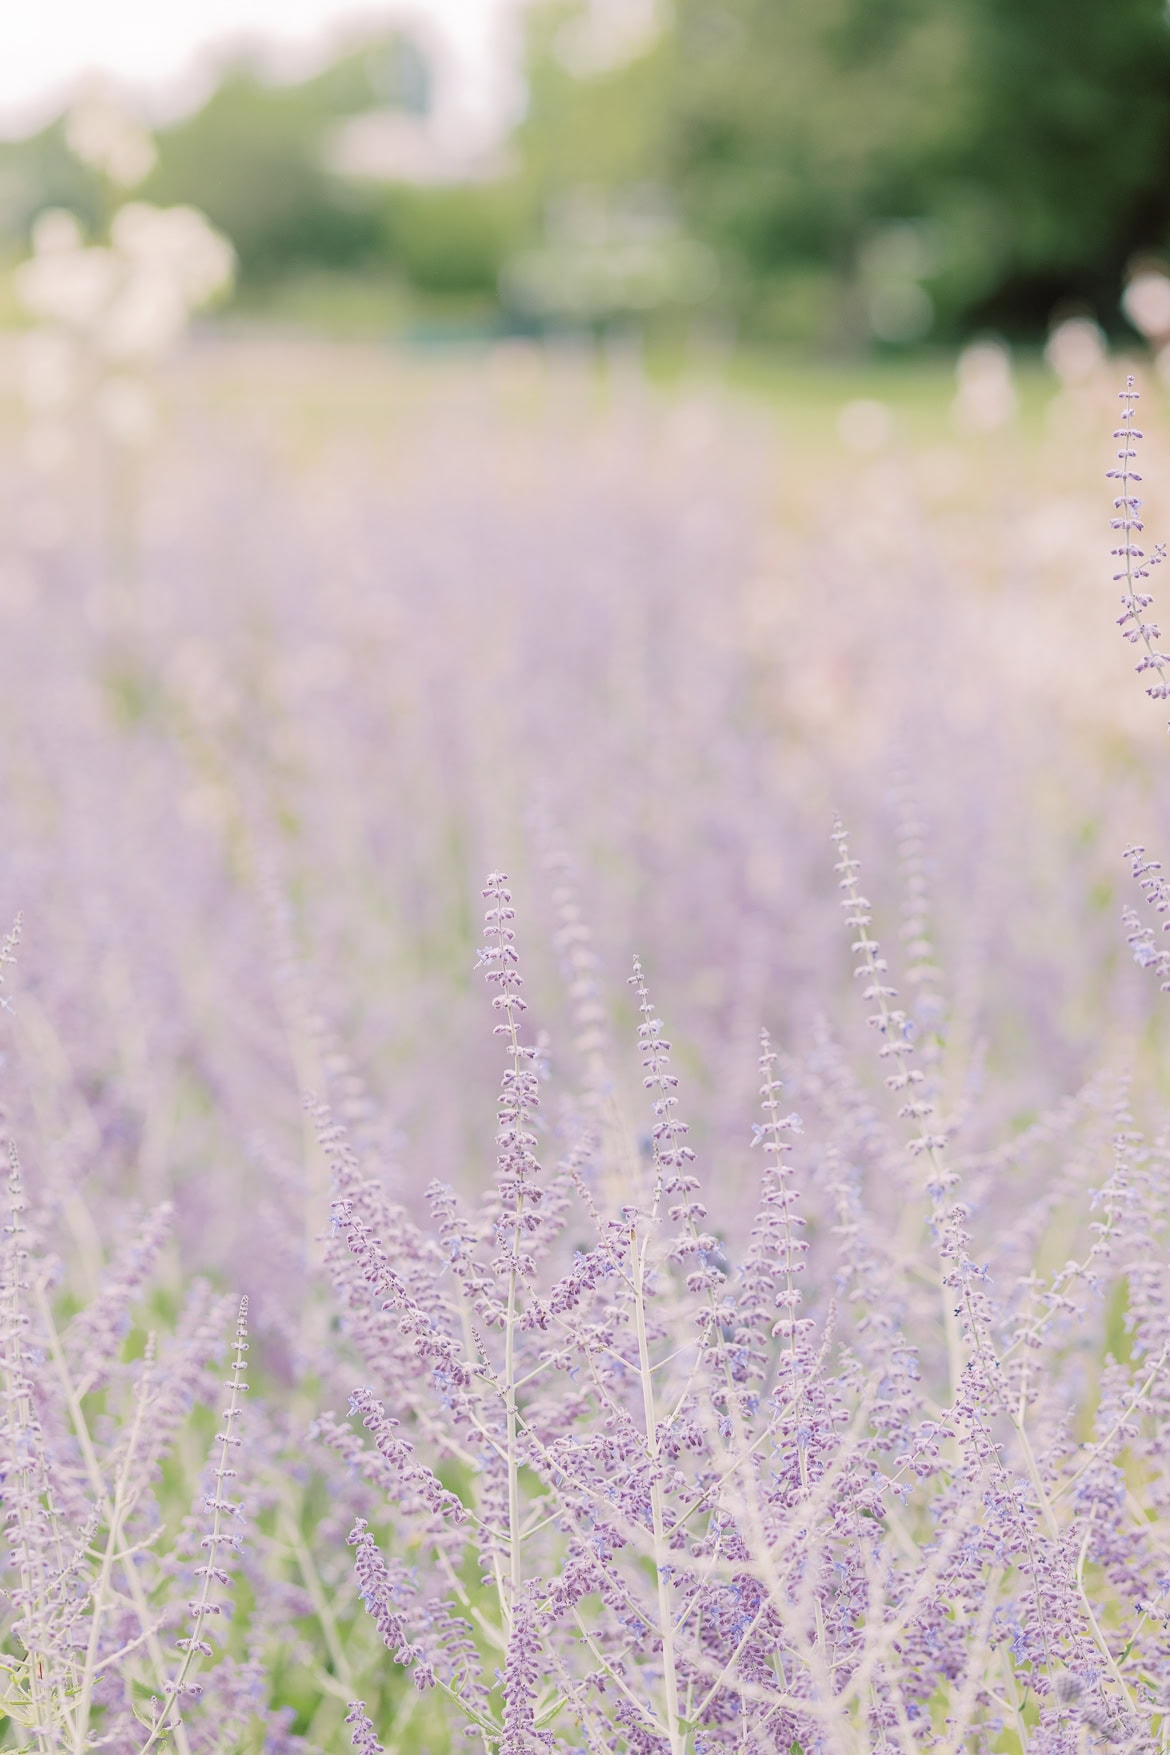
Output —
(1136, 566)
(665, 1607)
(116, 1515)
(197, 1646)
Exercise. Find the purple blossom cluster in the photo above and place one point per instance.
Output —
(711, 1510)
(92, 1597)
(796, 1376)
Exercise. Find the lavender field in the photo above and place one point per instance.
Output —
(705, 1290)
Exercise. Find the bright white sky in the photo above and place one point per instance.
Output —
(157, 45)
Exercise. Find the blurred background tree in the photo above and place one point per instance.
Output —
(838, 172)
(250, 159)
(882, 168)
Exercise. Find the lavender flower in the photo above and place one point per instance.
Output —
(1136, 566)
(364, 1739)
(842, 1431)
(218, 1544)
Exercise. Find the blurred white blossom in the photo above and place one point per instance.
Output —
(102, 132)
(145, 319)
(986, 394)
(179, 242)
(1075, 350)
(1146, 302)
(63, 280)
(56, 232)
(108, 310)
(134, 296)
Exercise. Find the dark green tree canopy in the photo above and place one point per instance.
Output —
(1027, 141)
